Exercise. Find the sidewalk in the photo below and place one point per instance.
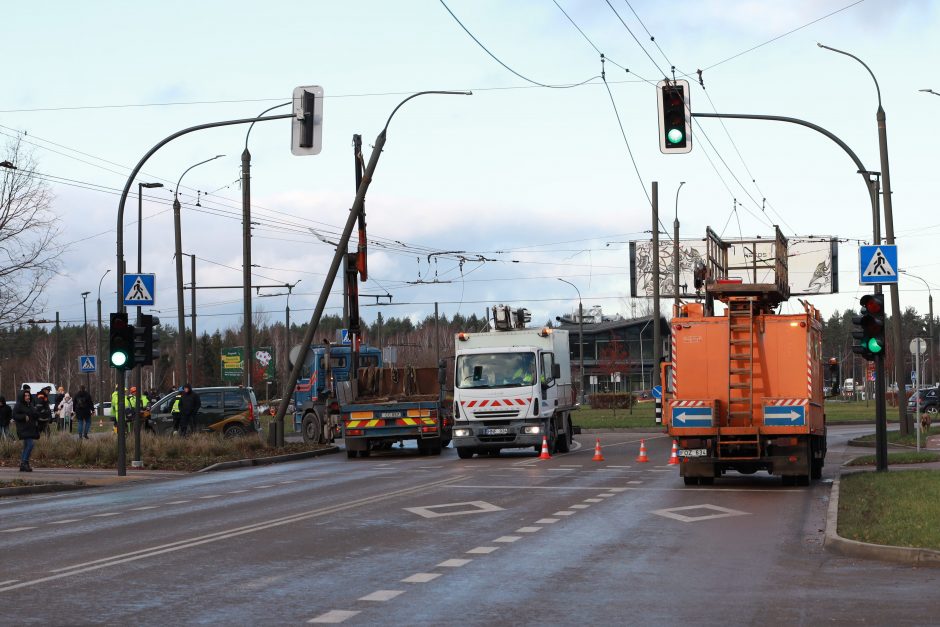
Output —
(89, 477)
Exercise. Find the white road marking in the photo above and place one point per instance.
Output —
(606, 495)
(572, 465)
(578, 506)
(140, 509)
(430, 467)
(421, 577)
(528, 529)
(722, 512)
(210, 496)
(593, 500)
(561, 470)
(15, 529)
(286, 482)
(546, 521)
(660, 469)
(105, 514)
(454, 509)
(507, 539)
(533, 487)
(454, 563)
(262, 487)
(238, 491)
(63, 522)
(634, 482)
(3, 583)
(177, 502)
(482, 550)
(618, 466)
(382, 595)
(565, 512)
(333, 617)
(617, 489)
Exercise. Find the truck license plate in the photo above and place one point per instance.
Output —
(496, 432)
(392, 414)
(693, 452)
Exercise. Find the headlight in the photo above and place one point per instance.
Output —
(461, 433)
(531, 430)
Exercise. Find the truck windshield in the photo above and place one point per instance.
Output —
(496, 370)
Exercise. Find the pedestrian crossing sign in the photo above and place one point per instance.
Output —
(139, 289)
(87, 364)
(877, 264)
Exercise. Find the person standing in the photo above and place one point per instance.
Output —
(83, 405)
(26, 417)
(6, 416)
(114, 407)
(64, 411)
(189, 408)
(43, 411)
(175, 411)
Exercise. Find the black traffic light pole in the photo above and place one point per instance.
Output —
(872, 184)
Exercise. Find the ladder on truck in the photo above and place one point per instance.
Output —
(740, 379)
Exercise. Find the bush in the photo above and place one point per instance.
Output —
(609, 400)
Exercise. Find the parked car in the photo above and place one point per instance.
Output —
(230, 411)
(929, 401)
(106, 407)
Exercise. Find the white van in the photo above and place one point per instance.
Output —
(34, 388)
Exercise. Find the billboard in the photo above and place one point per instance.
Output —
(262, 364)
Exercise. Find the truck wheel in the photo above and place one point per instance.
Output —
(464, 452)
(690, 480)
(563, 440)
(312, 428)
(436, 448)
(445, 443)
(706, 481)
(351, 454)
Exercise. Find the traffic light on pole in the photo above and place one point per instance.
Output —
(121, 344)
(140, 342)
(149, 351)
(675, 116)
(871, 323)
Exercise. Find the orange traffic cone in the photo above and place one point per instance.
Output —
(598, 457)
(100, 423)
(544, 454)
(674, 458)
(642, 457)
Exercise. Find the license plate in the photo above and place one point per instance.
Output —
(693, 452)
(496, 432)
(391, 414)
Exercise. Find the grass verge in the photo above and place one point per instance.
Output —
(157, 452)
(896, 509)
(895, 437)
(19, 483)
(912, 457)
(643, 416)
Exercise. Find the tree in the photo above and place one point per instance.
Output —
(28, 257)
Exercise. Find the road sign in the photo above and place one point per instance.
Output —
(871, 377)
(139, 289)
(87, 364)
(913, 376)
(657, 391)
(691, 416)
(344, 336)
(877, 264)
(784, 416)
(918, 346)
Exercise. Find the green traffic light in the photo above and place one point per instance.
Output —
(675, 136)
(118, 359)
(874, 345)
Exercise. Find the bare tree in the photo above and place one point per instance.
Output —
(28, 258)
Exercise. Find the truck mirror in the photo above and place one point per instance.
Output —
(666, 377)
(477, 373)
(441, 372)
(556, 371)
(834, 377)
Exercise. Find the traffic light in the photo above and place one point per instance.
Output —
(675, 116)
(871, 323)
(140, 342)
(146, 340)
(121, 353)
(307, 126)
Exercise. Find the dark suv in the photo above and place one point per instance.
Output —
(230, 411)
(929, 402)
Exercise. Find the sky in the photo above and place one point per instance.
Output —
(529, 183)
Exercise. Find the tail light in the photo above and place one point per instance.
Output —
(354, 432)
(251, 412)
(428, 429)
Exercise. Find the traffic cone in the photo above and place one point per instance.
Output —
(642, 457)
(544, 454)
(598, 457)
(674, 458)
(100, 423)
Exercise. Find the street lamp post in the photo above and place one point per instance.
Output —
(178, 255)
(85, 312)
(100, 353)
(580, 340)
(930, 343)
(675, 255)
(290, 288)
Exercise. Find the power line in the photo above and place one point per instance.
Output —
(656, 65)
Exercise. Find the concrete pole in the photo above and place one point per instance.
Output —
(657, 340)
(192, 317)
(180, 308)
(246, 267)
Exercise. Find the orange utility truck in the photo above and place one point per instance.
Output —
(747, 383)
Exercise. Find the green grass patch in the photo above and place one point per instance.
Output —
(912, 457)
(643, 415)
(896, 508)
(852, 411)
(896, 437)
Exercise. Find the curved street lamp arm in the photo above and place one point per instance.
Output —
(877, 88)
(176, 190)
(252, 125)
(421, 93)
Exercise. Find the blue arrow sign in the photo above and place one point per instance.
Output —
(784, 416)
(877, 264)
(691, 416)
(657, 391)
(87, 363)
(139, 289)
(344, 336)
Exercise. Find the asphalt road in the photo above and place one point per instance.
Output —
(401, 539)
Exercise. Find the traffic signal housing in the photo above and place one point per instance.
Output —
(307, 126)
(121, 342)
(675, 116)
(871, 322)
(146, 340)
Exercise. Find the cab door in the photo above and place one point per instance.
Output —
(210, 411)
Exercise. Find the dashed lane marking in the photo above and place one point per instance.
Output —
(482, 550)
(579, 506)
(105, 515)
(572, 465)
(421, 578)
(565, 512)
(507, 539)
(634, 482)
(453, 563)
(177, 502)
(616, 489)
(15, 529)
(210, 496)
(612, 466)
(334, 617)
(64, 522)
(382, 595)
(528, 529)
(238, 491)
(3, 583)
(262, 487)
(140, 509)
(606, 495)
(286, 482)
(546, 521)
(593, 500)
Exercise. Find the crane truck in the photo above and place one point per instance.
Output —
(746, 385)
(512, 387)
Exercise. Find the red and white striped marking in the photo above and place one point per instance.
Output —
(786, 402)
(689, 403)
(675, 369)
(496, 402)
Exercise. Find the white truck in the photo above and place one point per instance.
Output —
(512, 386)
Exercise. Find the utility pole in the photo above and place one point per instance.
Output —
(675, 255)
(56, 352)
(657, 340)
(246, 266)
(192, 307)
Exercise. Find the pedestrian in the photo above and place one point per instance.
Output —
(175, 411)
(6, 416)
(83, 405)
(114, 407)
(26, 417)
(43, 411)
(64, 411)
(189, 409)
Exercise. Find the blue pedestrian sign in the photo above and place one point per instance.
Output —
(784, 415)
(691, 417)
(87, 364)
(139, 289)
(344, 336)
(877, 264)
(657, 391)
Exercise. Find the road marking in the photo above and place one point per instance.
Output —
(114, 560)
(286, 482)
(430, 467)
(177, 502)
(578, 506)
(593, 500)
(482, 550)
(421, 577)
(140, 509)
(63, 522)
(333, 617)
(15, 529)
(238, 491)
(572, 465)
(560, 469)
(634, 482)
(534, 487)
(105, 514)
(565, 512)
(617, 489)
(3, 583)
(453, 563)
(618, 466)
(469, 507)
(507, 539)
(210, 496)
(606, 495)
(528, 529)
(262, 487)
(660, 470)
(546, 521)
(382, 595)
(722, 512)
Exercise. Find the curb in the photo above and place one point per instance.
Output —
(853, 548)
(42, 489)
(275, 459)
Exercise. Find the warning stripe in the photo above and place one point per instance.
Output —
(675, 403)
(675, 369)
(496, 402)
(786, 402)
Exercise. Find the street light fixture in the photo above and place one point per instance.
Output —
(98, 350)
(930, 91)
(930, 344)
(675, 255)
(580, 339)
(85, 311)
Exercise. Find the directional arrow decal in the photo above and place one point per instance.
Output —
(784, 416)
(692, 417)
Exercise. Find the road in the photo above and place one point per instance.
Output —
(400, 539)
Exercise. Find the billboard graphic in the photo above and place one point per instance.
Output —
(262, 364)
